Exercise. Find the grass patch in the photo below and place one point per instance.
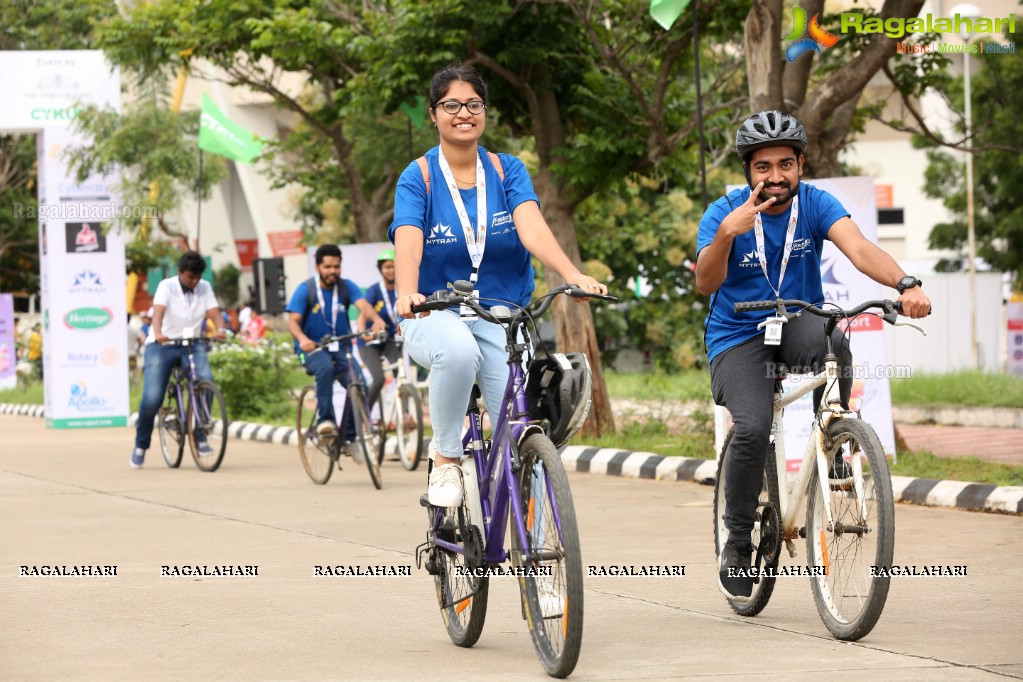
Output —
(959, 389)
(23, 395)
(924, 464)
(656, 437)
(691, 385)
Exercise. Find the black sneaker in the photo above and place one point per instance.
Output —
(840, 469)
(734, 572)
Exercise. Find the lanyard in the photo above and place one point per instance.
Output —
(758, 229)
(323, 306)
(388, 303)
(474, 244)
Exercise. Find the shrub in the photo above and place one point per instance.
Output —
(253, 379)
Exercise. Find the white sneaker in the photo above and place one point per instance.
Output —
(445, 488)
(354, 450)
(552, 604)
(326, 429)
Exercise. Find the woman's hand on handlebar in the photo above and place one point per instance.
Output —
(588, 284)
(404, 305)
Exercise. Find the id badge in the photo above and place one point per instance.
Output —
(466, 312)
(333, 346)
(772, 331)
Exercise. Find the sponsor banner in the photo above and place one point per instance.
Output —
(1015, 340)
(248, 250)
(92, 423)
(85, 237)
(47, 89)
(8, 351)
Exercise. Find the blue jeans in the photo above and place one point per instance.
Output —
(160, 361)
(325, 367)
(458, 353)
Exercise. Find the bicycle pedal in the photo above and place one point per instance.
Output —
(424, 501)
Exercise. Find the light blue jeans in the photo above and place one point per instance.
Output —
(457, 352)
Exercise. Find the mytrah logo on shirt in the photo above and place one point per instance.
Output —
(818, 41)
(749, 260)
(440, 234)
(85, 238)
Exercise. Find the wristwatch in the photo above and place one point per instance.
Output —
(907, 282)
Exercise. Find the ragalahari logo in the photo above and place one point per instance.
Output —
(818, 41)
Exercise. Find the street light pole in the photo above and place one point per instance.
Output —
(968, 11)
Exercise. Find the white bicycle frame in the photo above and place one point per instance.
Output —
(829, 410)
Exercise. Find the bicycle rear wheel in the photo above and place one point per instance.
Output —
(462, 597)
(849, 599)
(766, 531)
(552, 600)
(207, 423)
(365, 435)
(169, 427)
(316, 459)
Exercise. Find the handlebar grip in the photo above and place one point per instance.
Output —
(576, 292)
(750, 306)
(438, 300)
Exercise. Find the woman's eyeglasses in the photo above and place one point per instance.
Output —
(453, 106)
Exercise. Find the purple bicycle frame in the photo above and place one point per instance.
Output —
(496, 481)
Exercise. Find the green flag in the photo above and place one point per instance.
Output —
(416, 111)
(220, 135)
(665, 12)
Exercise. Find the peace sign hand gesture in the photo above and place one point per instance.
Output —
(741, 220)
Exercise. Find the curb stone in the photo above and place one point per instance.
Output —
(629, 464)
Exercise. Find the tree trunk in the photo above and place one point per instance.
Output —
(763, 55)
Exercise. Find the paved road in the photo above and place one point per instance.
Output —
(69, 498)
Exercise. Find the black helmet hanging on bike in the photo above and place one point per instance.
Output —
(559, 389)
(769, 129)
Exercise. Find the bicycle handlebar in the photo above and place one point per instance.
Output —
(891, 309)
(329, 339)
(460, 293)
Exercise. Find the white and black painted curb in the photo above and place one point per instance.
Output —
(613, 462)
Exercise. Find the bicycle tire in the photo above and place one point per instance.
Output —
(169, 426)
(365, 436)
(316, 460)
(463, 598)
(207, 416)
(409, 426)
(557, 634)
(764, 587)
(839, 595)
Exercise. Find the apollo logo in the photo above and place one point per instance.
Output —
(88, 319)
(818, 41)
(440, 234)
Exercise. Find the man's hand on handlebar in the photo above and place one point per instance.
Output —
(308, 345)
(915, 303)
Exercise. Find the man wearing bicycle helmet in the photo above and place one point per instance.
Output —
(759, 243)
(181, 305)
(381, 297)
(319, 308)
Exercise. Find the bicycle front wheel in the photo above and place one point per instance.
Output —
(207, 426)
(170, 428)
(849, 596)
(552, 590)
(766, 532)
(365, 434)
(409, 426)
(315, 456)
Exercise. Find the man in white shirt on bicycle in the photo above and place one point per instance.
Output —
(760, 243)
(180, 305)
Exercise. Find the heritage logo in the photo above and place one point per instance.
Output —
(88, 318)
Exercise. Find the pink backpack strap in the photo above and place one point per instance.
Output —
(424, 168)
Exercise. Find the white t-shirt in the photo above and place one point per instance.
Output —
(183, 310)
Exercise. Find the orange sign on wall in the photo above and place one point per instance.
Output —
(286, 243)
(883, 196)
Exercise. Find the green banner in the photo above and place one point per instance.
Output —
(220, 135)
(86, 422)
(416, 111)
(665, 12)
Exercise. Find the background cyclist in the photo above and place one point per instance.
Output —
(763, 242)
(318, 308)
(443, 235)
(381, 296)
(180, 303)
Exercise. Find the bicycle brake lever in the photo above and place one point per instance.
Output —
(909, 324)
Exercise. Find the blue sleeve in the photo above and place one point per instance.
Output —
(829, 209)
(354, 291)
(372, 295)
(710, 222)
(299, 300)
(409, 201)
(518, 187)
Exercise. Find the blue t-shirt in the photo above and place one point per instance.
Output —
(745, 281)
(375, 297)
(506, 272)
(318, 322)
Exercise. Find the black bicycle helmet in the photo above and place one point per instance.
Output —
(769, 129)
(559, 388)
